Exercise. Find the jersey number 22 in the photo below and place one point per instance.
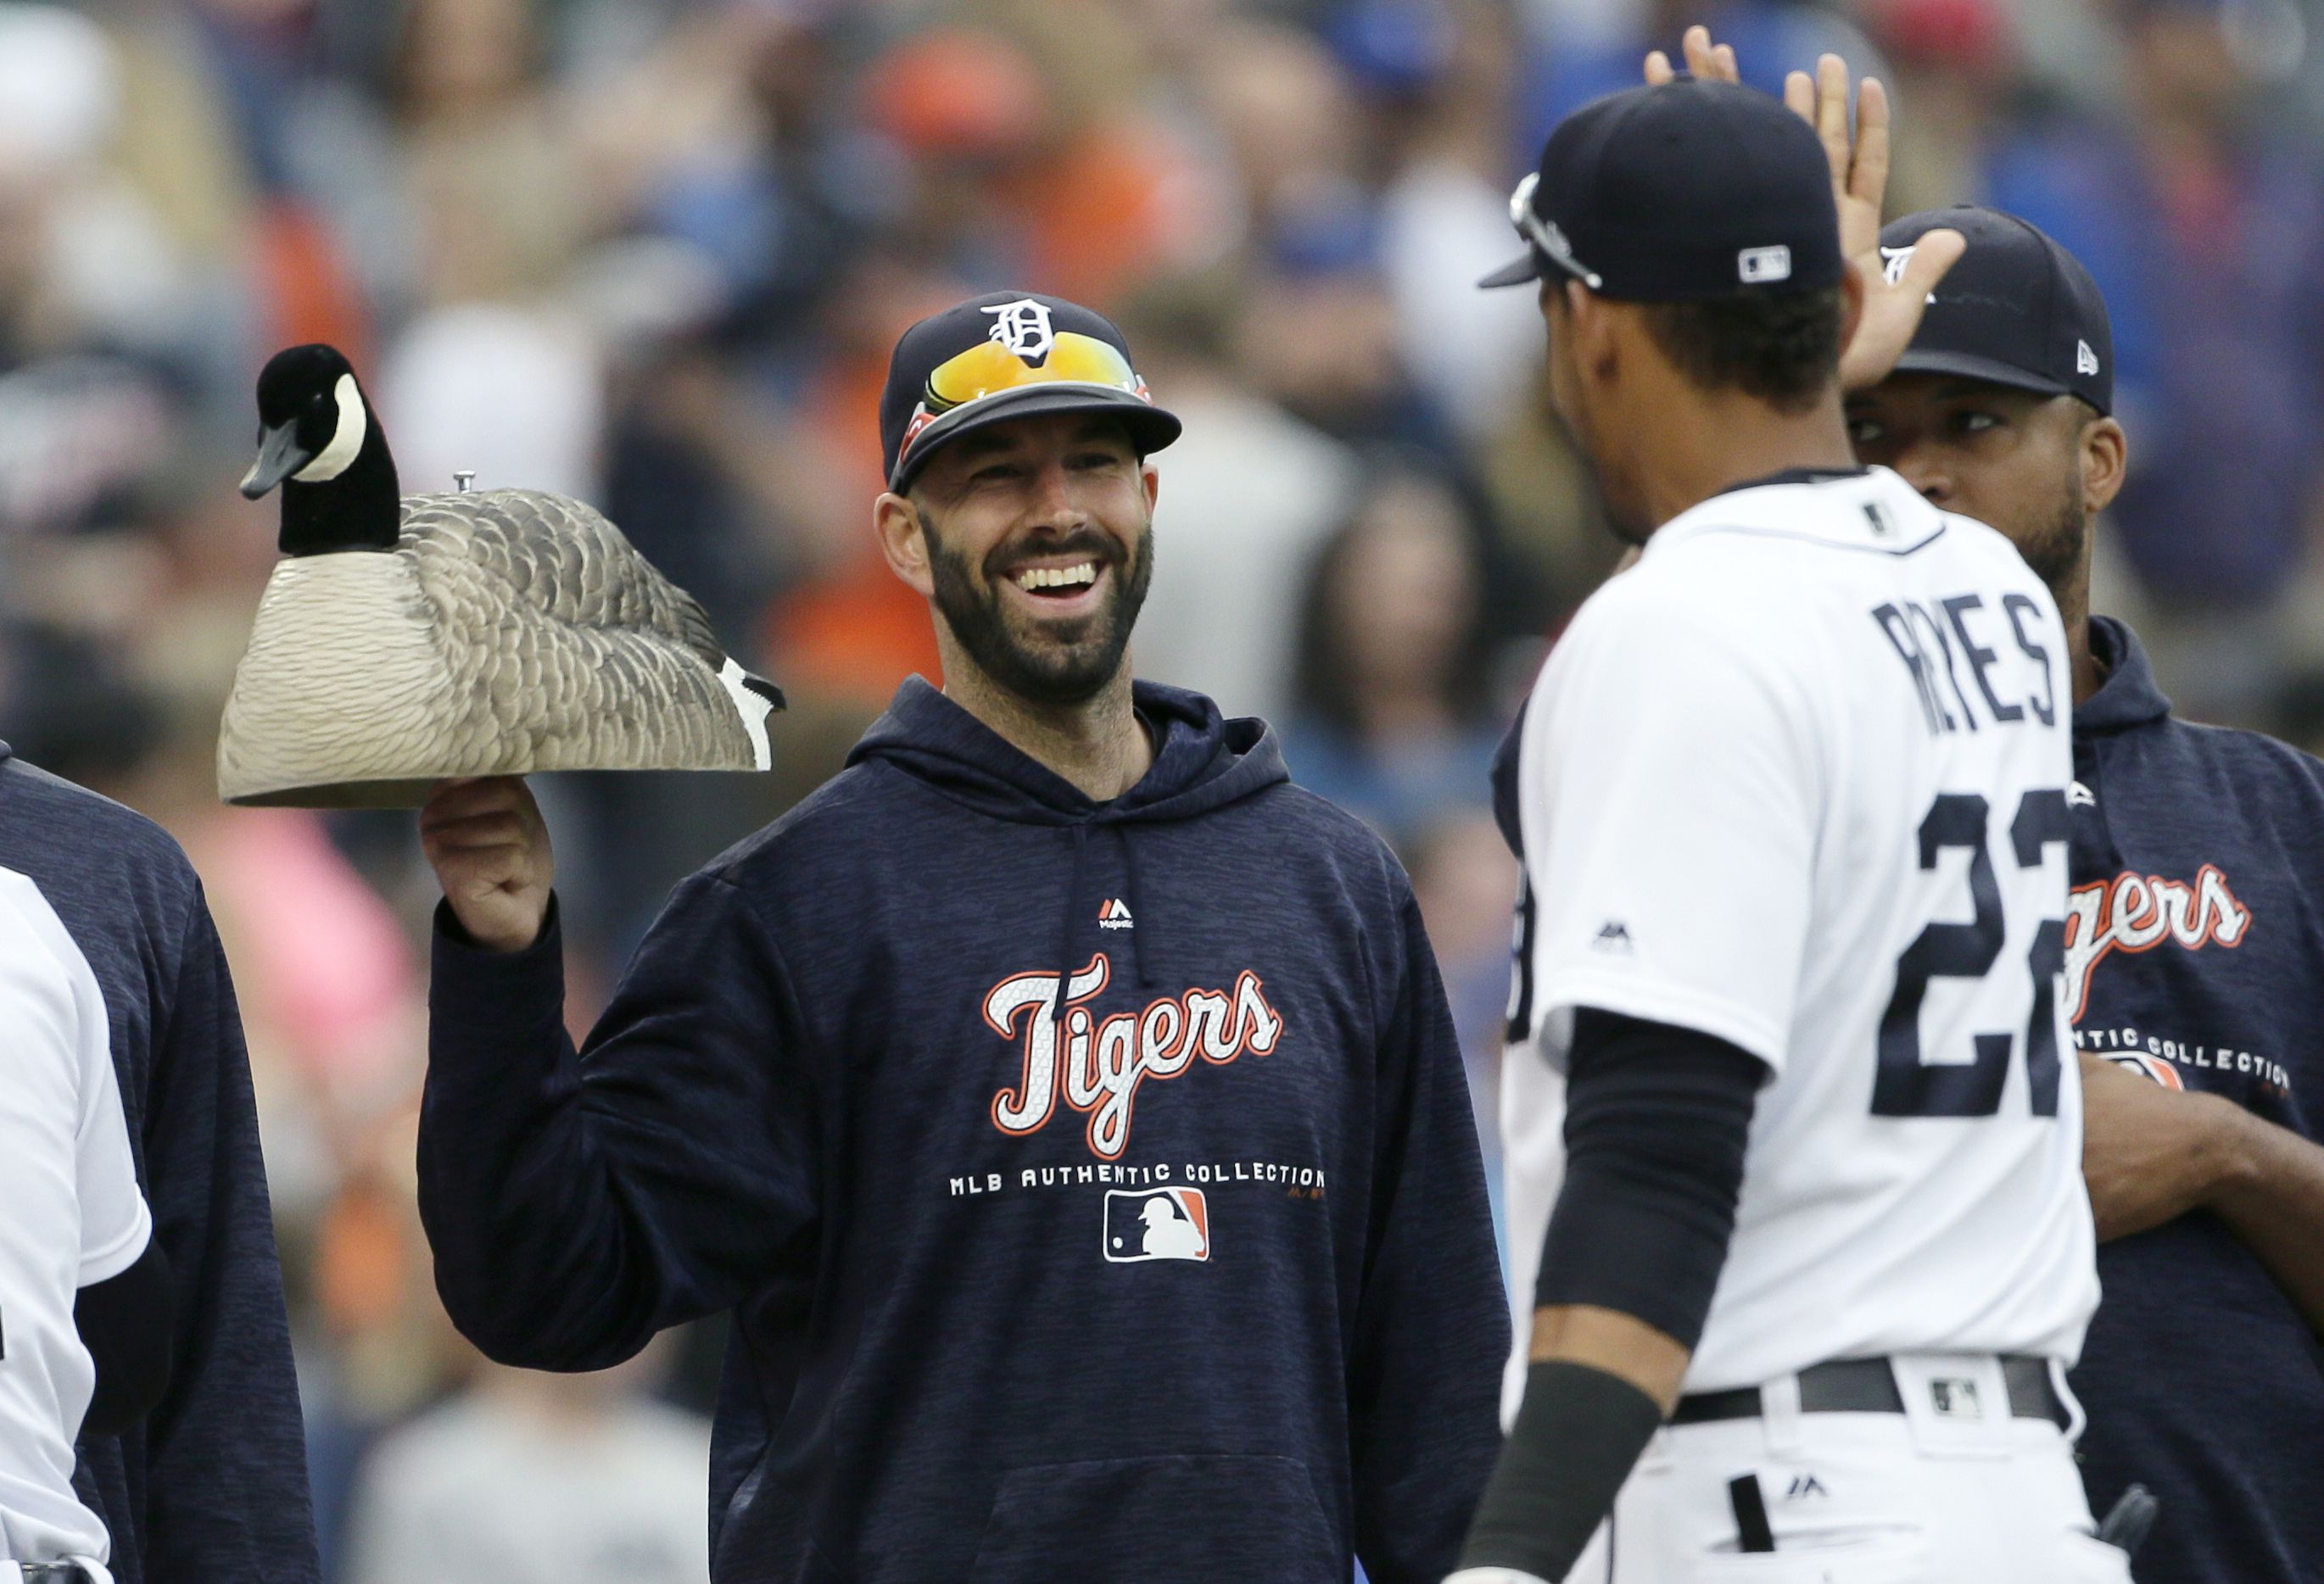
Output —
(1906, 1084)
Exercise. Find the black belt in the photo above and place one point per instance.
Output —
(53, 1573)
(1869, 1385)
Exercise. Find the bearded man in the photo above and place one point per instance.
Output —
(908, 1079)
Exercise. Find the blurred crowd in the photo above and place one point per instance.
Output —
(653, 254)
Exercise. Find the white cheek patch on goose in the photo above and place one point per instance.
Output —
(337, 456)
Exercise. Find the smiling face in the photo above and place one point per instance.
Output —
(1034, 540)
(2036, 467)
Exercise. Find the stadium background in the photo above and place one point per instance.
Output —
(654, 251)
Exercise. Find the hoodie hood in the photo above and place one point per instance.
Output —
(1202, 761)
(2128, 696)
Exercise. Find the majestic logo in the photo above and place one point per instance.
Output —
(1023, 327)
(1163, 1223)
(1098, 1063)
(1613, 935)
(2138, 912)
(1115, 915)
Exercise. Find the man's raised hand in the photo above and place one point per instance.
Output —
(489, 847)
(1859, 183)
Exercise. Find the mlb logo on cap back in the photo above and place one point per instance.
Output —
(1166, 1223)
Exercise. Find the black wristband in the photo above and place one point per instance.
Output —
(1577, 1435)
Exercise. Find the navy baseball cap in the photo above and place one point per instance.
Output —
(2017, 310)
(1008, 354)
(1682, 192)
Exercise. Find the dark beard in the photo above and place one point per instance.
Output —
(2055, 553)
(1055, 673)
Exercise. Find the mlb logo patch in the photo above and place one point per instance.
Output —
(1955, 1398)
(1160, 1223)
(1760, 266)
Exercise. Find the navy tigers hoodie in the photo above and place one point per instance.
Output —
(1181, 1273)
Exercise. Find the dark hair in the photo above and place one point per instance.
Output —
(1783, 347)
(1322, 680)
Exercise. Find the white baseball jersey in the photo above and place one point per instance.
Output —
(71, 1216)
(1798, 780)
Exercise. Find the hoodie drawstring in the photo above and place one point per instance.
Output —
(1065, 934)
(1137, 905)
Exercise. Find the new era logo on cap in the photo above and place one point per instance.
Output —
(2086, 361)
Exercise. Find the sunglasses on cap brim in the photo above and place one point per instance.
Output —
(1547, 239)
(989, 369)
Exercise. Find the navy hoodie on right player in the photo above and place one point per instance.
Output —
(1188, 1278)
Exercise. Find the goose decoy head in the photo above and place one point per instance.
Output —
(310, 419)
(317, 439)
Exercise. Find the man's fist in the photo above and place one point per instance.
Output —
(489, 849)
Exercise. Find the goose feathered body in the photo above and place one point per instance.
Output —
(509, 631)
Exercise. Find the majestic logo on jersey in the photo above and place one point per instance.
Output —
(1164, 1224)
(1114, 914)
(2147, 1066)
(2138, 912)
(1098, 1064)
(1613, 935)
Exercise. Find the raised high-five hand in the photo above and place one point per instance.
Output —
(1859, 182)
(489, 850)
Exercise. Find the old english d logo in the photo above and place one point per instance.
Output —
(1164, 1224)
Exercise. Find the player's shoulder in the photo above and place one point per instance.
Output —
(2267, 777)
(827, 825)
(1309, 825)
(94, 859)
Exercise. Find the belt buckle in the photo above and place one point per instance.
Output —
(1956, 1404)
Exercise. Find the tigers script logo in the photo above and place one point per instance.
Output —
(2138, 912)
(1099, 1064)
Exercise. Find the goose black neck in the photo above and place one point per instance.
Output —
(360, 509)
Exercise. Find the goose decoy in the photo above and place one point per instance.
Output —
(404, 639)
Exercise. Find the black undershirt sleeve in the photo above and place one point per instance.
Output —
(1657, 1120)
(126, 1323)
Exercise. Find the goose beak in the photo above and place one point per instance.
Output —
(280, 455)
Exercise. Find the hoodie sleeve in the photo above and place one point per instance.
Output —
(1432, 1326)
(579, 1203)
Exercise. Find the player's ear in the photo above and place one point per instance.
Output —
(2105, 459)
(904, 541)
(1151, 477)
(1588, 324)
